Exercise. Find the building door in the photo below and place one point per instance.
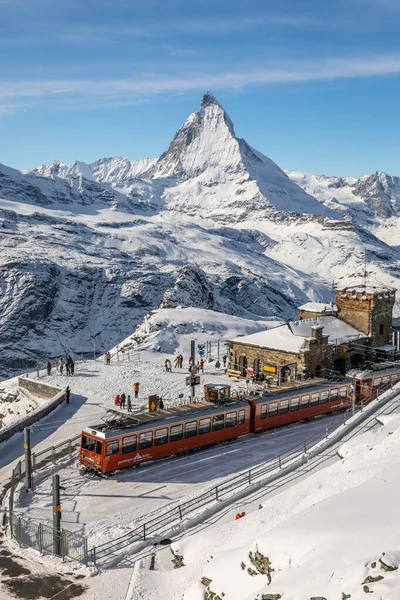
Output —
(318, 371)
(243, 365)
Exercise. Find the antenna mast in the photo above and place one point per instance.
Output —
(365, 269)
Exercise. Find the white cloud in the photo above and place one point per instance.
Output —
(84, 91)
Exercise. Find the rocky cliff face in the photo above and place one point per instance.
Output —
(87, 250)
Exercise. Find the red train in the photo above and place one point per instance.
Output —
(150, 436)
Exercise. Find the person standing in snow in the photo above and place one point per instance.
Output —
(136, 387)
(129, 403)
(224, 359)
(61, 366)
(123, 398)
(168, 366)
(67, 394)
(177, 361)
(180, 361)
(117, 400)
(48, 367)
(67, 367)
(108, 358)
(201, 365)
(72, 366)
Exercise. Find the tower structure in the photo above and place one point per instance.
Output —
(368, 309)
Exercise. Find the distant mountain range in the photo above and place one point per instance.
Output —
(87, 250)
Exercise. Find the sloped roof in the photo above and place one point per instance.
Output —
(291, 336)
(317, 307)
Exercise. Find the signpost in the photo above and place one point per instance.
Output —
(193, 380)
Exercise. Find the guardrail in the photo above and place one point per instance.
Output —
(172, 516)
(40, 536)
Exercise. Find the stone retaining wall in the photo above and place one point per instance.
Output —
(54, 395)
(40, 390)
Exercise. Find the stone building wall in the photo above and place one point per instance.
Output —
(369, 312)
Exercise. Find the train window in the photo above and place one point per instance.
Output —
(305, 401)
(230, 419)
(190, 429)
(325, 397)
(128, 444)
(377, 382)
(314, 399)
(283, 407)
(294, 404)
(161, 436)
(334, 394)
(88, 443)
(343, 392)
(386, 380)
(394, 377)
(242, 417)
(145, 440)
(218, 422)
(99, 448)
(176, 433)
(112, 448)
(263, 411)
(204, 426)
(366, 386)
(272, 409)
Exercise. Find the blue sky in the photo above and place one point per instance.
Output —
(314, 84)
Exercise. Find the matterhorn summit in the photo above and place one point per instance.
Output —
(209, 170)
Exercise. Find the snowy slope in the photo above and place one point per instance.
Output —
(87, 250)
(327, 536)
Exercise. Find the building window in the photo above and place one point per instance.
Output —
(381, 329)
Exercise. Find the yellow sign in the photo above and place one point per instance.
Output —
(26, 446)
(269, 368)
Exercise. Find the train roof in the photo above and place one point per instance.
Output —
(166, 417)
(372, 373)
(296, 391)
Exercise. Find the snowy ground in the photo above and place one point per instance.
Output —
(129, 495)
(16, 403)
(105, 507)
(324, 535)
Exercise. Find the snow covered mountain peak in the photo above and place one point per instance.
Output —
(209, 99)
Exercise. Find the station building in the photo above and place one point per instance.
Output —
(325, 338)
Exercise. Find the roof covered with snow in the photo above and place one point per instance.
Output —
(318, 307)
(291, 336)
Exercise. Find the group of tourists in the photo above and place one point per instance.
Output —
(123, 401)
(69, 365)
(179, 361)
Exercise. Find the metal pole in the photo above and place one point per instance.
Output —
(56, 515)
(218, 348)
(28, 464)
(193, 359)
(353, 406)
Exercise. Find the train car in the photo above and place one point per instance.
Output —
(303, 402)
(368, 382)
(162, 434)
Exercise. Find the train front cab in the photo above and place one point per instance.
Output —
(92, 449)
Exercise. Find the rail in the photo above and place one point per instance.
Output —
(40, 536)
(172, 516)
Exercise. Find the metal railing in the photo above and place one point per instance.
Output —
(172, 515)
(40, 536)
